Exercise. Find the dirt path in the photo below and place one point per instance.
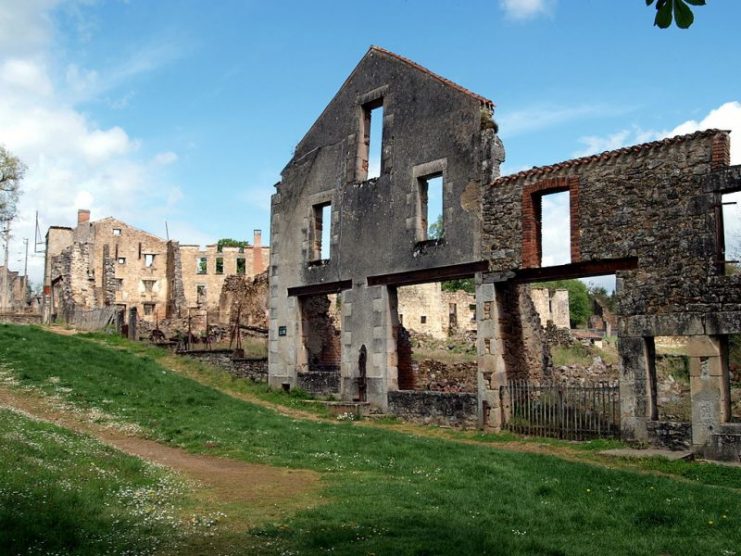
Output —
(258, 491)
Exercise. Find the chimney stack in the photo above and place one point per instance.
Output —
(258, 265)
(83, 215)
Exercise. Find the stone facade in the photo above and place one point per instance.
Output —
(110, 263)
(552, 307)
(205, 270)
(16, 298)
(650, 213)
(378, 225)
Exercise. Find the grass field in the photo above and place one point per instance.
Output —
(63, 492)
(386, 492)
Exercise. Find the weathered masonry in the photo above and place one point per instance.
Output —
(651, 214)
(377, 225)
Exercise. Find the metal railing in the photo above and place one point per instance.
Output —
(572, 412)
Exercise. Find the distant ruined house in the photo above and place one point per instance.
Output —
(107, 263)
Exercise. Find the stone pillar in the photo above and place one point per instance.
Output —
(708, 387)
(132, 324)
(635, 393)
(490, 348)
(367, 321)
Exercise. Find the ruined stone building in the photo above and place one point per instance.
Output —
(428, 309)
(110, 263)
(552, 307)
(651, 214)
(16, 297)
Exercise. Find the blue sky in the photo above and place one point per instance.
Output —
(187, 111)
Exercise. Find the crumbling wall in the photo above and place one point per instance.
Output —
(246, 296)
(176, 303)
(321, 334)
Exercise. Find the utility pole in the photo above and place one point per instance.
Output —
(25, 265)
(4, 299)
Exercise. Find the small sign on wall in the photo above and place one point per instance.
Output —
(282, 331)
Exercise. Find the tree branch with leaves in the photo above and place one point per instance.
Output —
(12, 171)
(674, 10)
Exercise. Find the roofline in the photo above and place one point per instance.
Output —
(411, 63)
(544, 170)
(373, 48)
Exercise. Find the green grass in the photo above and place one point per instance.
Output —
(388, 492)
(64, 493)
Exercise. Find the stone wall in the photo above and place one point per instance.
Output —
(246, 296)
(319, 382)
(439, 408)
(255, 369)
(551, 306)
(671, 435)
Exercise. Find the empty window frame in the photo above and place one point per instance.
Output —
(148, 260)
(370, 148)
(430, 221)
(119, 284)
(201, 293)
(148, 309)
(730, 233)
(121, 260)
(202, 265)
(148, 285)
(549, 236)
(423, 319)
(219, 265)
(116, 232)
(241, 265)
(321, 231)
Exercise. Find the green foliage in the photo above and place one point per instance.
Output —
(580, 307)
(387, 492)
(677, 10)
(12, 171)
(466, 284)
(228, 242)
(436, 229)
(601, 294)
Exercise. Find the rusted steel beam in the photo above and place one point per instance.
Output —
(438, 274)
(319, 289)
(582, 269)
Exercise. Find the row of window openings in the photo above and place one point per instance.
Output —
(202, 265)
(148, 260)
(430, 223)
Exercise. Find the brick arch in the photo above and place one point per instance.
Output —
(532, 248)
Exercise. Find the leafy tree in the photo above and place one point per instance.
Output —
(228, 242)
(677, 10)
(12, 171)
(465, 284)
(436, 230)
(601, 294)
(580, 306)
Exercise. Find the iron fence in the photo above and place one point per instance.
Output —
(557, 410)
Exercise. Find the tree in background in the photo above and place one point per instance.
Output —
(228, 242)
(580, 305)
(11, 174)
(677, 10)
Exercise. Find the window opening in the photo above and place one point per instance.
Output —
(202, 266)
(148, 285)
(730, 243)
(241, 265)
(430, 208)
(148, 260)
(121, 260)
(219, 265)
(370, 151)
(117, 231)
(148, 309)
(322, 227)
(119, 284)
(200, 294)
(554, 228)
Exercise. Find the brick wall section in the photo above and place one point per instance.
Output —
(532, 195)
(721, 153)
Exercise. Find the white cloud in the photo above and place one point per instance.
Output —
(541, 116)
(727, 116)
(73, 162)
(526, 9)
(165, 158)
